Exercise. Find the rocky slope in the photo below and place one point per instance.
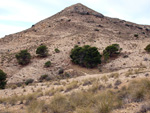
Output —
(118, 86)
(75, 25)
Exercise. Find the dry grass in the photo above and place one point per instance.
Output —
(114, 75)
(96, 87)
(92, 100)
(104, 78)
(144, 108)
(72, 85)
(137, 71)
(53, 91)
(84, 102)
(60, 104)
(137, 90)
(89, 81)
(129, 72)
(140, 89)
(35, 107)
(15, 98)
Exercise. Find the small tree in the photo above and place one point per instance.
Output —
(57, 50)
(2, 79)
(85, 56)
(61, 71)
(42, 51)
(147, 49)
(43, 77)
(47, 64)
(23, 57)
(111, 51)
(29, 81)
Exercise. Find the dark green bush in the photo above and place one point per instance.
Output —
(47, 64)
(147, 49)
(85, 56)
(2, 79)
(65, 75)
(23, 57)
(61, 71)
(42, 51)
(57, 50)
(106, 56)
(44, 77)
(49, 78)
(111, 51)
(136, 35)
(29, 81)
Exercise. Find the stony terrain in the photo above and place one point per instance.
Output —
(75, 25)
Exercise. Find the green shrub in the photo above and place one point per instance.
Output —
(111, 51)
(47, 64)
(147, 49)
(106, 56)
(61, 71)
(2, 79)
(23, 57)
(42, 51)
(29, 81)
(57, 50)
(44, 77)
(136, 35)
(85, 56)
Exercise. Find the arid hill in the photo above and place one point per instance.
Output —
(75, 25)
(120, 85)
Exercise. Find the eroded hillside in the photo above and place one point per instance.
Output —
(76, 25)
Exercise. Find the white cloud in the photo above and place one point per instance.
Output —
(11, 29)
(20, 11)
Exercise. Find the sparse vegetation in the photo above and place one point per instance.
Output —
(61, 71)
(129, 72)
(84, 102)
(23, 57)
(118, 82)
(29, 81)
(62, 87)
(114, 75)
(64, 75)
(145, 108)
(42, 51)
(136, 35)
(60, 104)
(47, 64)
(43, 77)
(147, 49)
(53, 91)
(96, 87)
(57, 50)
(104, 78)
(72, 85)
(35, 107)
(2, 79)
(92, 100)
(89, 81)
(85, 56)
(139, 89)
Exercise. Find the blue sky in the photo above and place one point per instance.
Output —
(17, 15)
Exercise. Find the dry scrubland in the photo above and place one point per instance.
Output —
(121, 91)
(118, 86)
